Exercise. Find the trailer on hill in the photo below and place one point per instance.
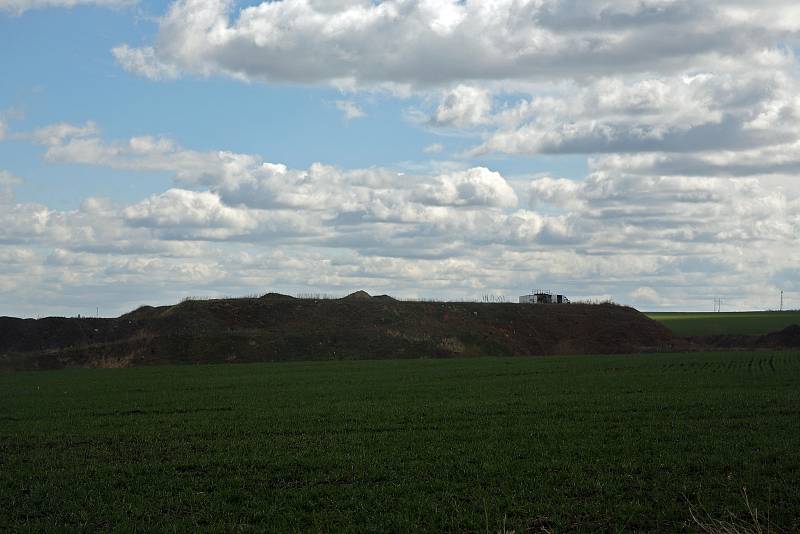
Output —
(543, 297)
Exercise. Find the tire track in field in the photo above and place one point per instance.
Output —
(763, 363)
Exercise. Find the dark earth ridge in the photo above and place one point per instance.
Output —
(282, 328)
(788, 338)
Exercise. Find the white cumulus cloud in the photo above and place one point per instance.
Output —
(350, 109)
(143, 61)
(234, 223)
(422, 42)
(474, 187)
(463, 106)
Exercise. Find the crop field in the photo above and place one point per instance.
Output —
(604, 443)
(735, 323)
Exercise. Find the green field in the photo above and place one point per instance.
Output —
(537, 444)
(735, 323)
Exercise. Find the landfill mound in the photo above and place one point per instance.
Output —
(282, 328)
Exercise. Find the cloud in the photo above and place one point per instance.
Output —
(425, 43)
(182, 208)
(179, 214)
(55, 134)
(734, 111)
(235, 224)
(248, 198)
(707, 88)
(646, 294)
(616, 239)
(435, 148)
(20, 6)
(350, 109)
(143, 61)
(3, 129)
(673, 214)
(246, 179)
(463, 107)
(144, 153)
(559, 192)
(475, 187)
(611, 200)
(7, 182)
(779, 159)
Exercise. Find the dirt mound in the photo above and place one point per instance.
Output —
(358, 295)
(789, 337)
(356, 327)
(276, 296)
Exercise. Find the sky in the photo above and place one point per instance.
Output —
(642, 151)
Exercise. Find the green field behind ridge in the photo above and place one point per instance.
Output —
(734, 323)
(585, 443)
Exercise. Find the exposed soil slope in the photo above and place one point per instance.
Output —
(277, 327)
(788, 338)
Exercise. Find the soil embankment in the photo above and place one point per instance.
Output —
(281, 328)
(788, 338)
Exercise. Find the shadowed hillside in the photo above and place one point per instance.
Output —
(278, 328)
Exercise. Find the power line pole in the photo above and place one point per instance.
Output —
(781, 299)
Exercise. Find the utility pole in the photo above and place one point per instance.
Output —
(781, 299)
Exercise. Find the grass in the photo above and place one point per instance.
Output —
(540, 444)
(754, 524)
(735, 323)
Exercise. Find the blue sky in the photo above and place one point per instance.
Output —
(150, 151)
